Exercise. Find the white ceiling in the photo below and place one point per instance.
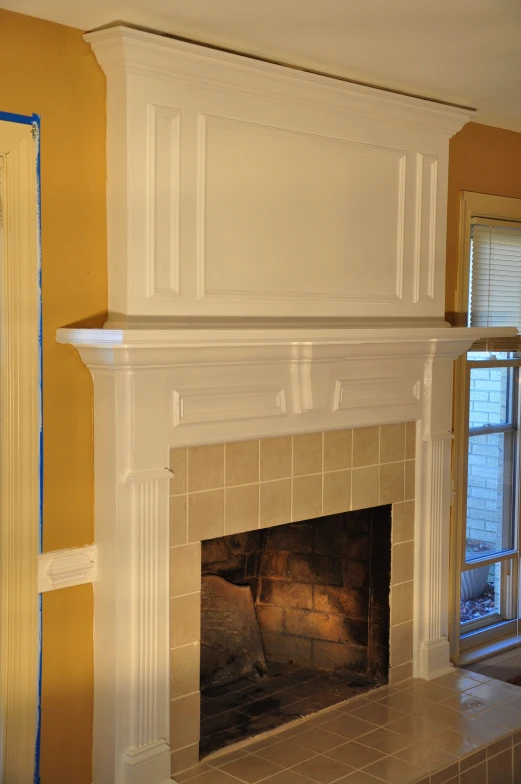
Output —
(466, 52)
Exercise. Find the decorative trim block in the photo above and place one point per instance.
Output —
(65, 568)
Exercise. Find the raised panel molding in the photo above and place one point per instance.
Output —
(163, 168)
(272, 192)
(426, 205)
(305, 232)
(377, 392)
(217, 404)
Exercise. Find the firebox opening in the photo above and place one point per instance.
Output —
(295, 619)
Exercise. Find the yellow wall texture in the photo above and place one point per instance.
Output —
(485, 160)
(48, 69)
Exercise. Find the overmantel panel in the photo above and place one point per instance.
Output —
(254, 189)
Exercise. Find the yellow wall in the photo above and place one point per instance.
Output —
(48, 69)
(485, 160)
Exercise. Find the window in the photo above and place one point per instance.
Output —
(485, 523)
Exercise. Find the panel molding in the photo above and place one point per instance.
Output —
(228, 403)
(206, 292)
(376, 392)
(163, 205)
(243, 253)
(426, 211)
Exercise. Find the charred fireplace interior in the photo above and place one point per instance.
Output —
(295, 618)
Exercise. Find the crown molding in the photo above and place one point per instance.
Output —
(122, 49)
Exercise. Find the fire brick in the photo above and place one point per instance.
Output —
(285, 594)
(315, 569)
(318, 626)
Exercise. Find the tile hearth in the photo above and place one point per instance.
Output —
(462, 728)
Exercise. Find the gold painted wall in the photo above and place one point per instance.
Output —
(48, 69)
(485, 160)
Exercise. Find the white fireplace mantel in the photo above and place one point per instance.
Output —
(155, 389)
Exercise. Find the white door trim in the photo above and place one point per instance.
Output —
(20, 428)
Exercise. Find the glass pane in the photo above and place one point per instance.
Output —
(490, 494)
(485, 356)
(490, 396)
(481, 593)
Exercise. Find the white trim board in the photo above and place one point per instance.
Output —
(65, 568)
(20, 423)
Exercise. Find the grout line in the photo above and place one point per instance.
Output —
(181, 596)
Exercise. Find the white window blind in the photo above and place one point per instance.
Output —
(495, 274)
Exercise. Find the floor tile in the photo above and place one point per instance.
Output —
(214, 776)
(495, 693)
(224, 759)
(499, 768)
(445, 775)
(414, 727)
(349, 726)
(479, 730)
(286, 753)
(395, 771)
(503, 716)
(408, 703)
(323, 770)
(355, 754)
(192, 773)
(286, 777)
(319, 740)
(467, 702)
(250, 769)
(359, 777)
(386, 741)
(429, 690)
(458, 681)
(270, 740)
(441, 715)
(477, 676)
(514, 704)
(424, 755)
(454, 742)
(321, 718)
(378, 714)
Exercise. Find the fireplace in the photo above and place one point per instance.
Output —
(276, 309)
(322, 589)
(311, 596)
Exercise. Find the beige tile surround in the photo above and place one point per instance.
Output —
(221, 489)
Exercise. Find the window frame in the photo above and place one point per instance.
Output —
(472, 205)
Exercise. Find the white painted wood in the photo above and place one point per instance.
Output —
(238, 187)
(157, 389)
(65, 568)
(19, 453)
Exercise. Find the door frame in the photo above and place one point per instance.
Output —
(20, 449)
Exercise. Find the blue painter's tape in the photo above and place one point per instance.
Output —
(19, 118)
(35, 122)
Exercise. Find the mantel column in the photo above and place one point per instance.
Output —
(131, 668)
(432, 529)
